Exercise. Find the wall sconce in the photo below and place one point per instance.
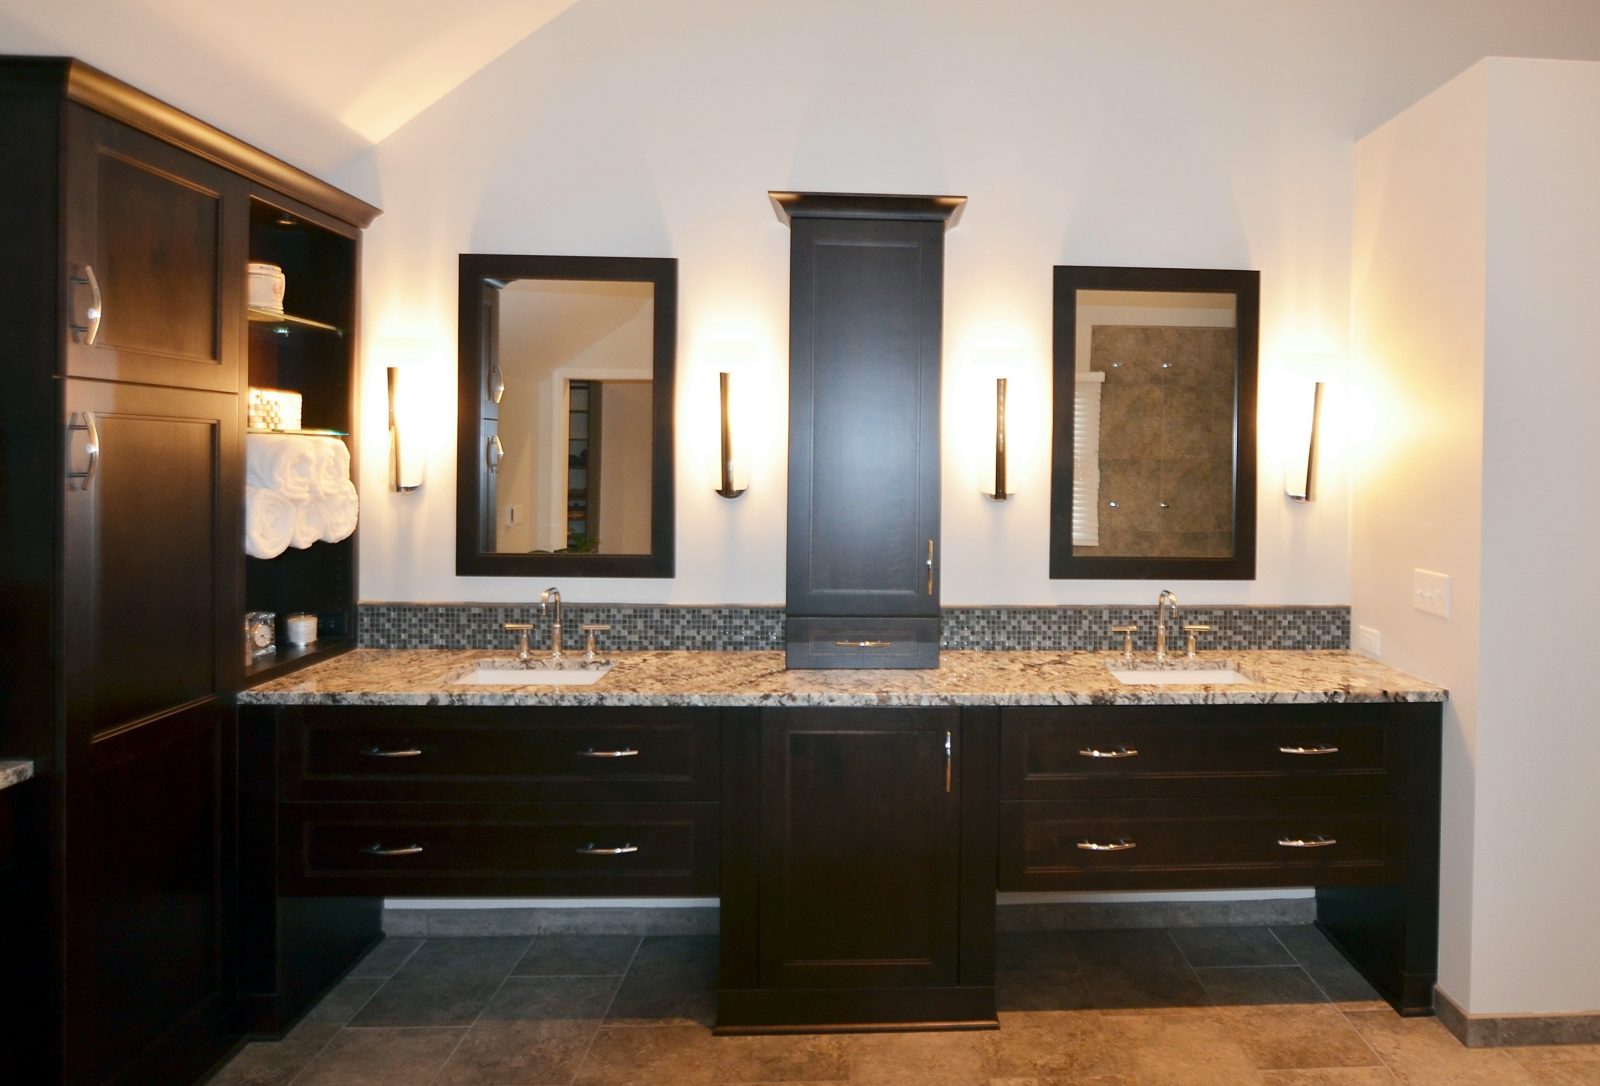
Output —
(1300, 478)
(997, 489)
(406, 462)
(725, 458)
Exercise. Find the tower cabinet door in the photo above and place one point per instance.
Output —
(154, 270)
(861, 850)
(151, 649)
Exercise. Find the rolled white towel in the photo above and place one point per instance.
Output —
(310, 521)
(282, 462)
(340, 512)
(268, 522)
(330, 469)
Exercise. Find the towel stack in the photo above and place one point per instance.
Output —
(298, 491)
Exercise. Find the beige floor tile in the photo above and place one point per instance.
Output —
(1331, 1076)
(1304, 1036)
(275, 1063)
(1552, 1053)
(1566, 1072)
(1067, 1045)
(403, 1056)
(1180, 1050)
(788, 1058)
(1421, 1052)
(917, 1059)
(648, 1056)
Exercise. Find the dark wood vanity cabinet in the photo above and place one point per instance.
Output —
(858, 884)
(865, 319)
(122, 322)
(1341, 797)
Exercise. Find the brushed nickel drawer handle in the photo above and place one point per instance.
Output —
(1319, 841)
(1322, 749)
(862, 644)
(625, 752)
(1120, 752)
(403, 850)
(404, 752)
(1121, 844)
(591, 850)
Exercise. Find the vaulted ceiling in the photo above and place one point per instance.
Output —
(316, 82)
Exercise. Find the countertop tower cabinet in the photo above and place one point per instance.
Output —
(123, 316)
(866, 286)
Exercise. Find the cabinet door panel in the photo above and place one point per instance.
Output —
(158, 235)
(861, 859)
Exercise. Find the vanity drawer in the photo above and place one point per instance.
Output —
(569, 849)
(1195, 844)
(1073, 752)
(493, 753)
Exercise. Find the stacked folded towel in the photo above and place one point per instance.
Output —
(298, 492)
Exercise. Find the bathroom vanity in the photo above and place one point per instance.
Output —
(855, 825)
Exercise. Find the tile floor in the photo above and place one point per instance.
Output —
(1156, 1007)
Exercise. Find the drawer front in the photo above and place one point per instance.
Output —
(512, 754)
(577, 849)
(861, 642)
(1192, 844)
(1125, 751)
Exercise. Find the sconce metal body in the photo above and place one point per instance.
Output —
(405, 463)
(1300, 482)
(725, 459)
(998, 492)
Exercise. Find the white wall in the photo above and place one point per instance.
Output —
(1156, 132)
(1474, 338)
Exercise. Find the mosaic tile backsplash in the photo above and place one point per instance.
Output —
(655, 627)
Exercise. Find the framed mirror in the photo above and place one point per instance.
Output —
(1153, 457)
(564, 425)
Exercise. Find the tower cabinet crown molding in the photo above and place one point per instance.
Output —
(865, 325)
(129, 347)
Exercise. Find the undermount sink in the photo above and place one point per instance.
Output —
(1177, 675)
(541, 671)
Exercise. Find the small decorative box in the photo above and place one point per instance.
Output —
(273, 409)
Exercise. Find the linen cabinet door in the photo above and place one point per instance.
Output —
(155, 251)
(151, 650)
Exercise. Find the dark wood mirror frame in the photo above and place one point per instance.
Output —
(477, 419)
(1245, 287)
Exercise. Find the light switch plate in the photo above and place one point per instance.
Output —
(1369, 642)
(1430, 592)
(514, 515)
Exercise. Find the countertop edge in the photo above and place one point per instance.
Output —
(14, 772)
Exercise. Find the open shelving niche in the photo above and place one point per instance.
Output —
(308, 348)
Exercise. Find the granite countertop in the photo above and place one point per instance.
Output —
(423, 677)
(14, 772)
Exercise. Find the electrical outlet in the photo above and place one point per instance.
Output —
(1369, 642)
(1430, 592)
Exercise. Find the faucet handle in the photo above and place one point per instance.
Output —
(592, 628)
(1194, 630)
(1127, 633)
(521, 630)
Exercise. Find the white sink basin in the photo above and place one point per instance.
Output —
(1214, 676)
(563, 672)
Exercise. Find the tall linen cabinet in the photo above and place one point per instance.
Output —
(124, 331)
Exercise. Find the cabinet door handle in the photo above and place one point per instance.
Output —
(1319, 841)
(402, 752)
(403, 850)
(1096, 752)
(625, 752)
(862, 644)
(493, 453)
(92, 447)
(929, 564)
(86, 332)
(1321, 749)
(949, 759)
(591, 850)
(1121, 844)
(497, 384)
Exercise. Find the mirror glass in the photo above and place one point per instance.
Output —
(1154, 438)
(566, 454)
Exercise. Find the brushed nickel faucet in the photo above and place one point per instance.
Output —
(1163, 602)
(552, 597)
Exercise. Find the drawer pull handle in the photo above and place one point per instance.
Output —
(1120, 752)
(862, 644)
(591, 850)
(625, 752)
(404, 752)
(1121, 844)
(1323, 749)
(403, 850)
(1319, 841)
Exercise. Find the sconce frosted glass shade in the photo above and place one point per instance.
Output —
(406, 461)
(997, 488)
(728, 483)
(1300, 477)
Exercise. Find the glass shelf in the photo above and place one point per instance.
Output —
(303, 433)
(288, 322)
